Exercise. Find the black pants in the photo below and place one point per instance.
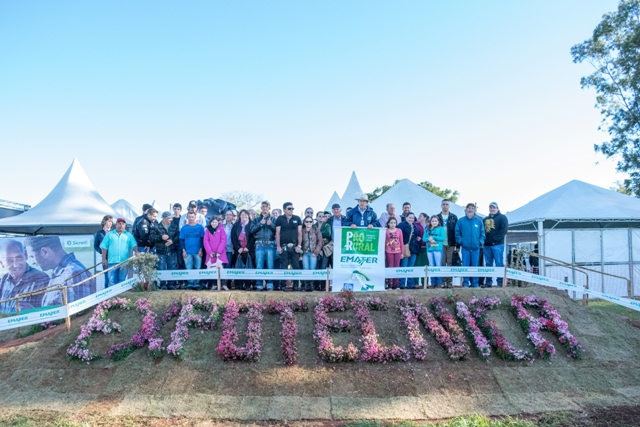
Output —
(289, 257)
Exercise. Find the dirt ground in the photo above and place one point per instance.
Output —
(36, 375)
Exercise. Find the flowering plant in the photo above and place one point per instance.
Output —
(410, 319)
(189, 318)
(483, 346)
(455, 343)
(226, 347)
(322, 334)
(148, 331)
(372, 350)
(503, 348)
(550, 320)
(289, 323)
(531, 326)
(97, 322)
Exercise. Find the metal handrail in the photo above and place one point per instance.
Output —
(579, 268)
(62, 286)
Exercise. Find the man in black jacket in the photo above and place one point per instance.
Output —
(142, 230)
(263, 229)
(165, 237)
(448, 220)
(495, 230)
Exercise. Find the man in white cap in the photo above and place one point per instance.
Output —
(495, 230)
(362, 215)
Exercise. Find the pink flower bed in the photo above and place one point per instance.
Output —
(502, 347)
(253, 348)
(457, 343)
(372, 350)
(100, 322)
(189, 319)
(482, 344)
(550, 321)
(322, 331)
(289, 323)
(410, 319)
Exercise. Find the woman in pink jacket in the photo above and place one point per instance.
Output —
(215, 242)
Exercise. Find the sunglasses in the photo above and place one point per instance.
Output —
(289, 209)
(308, 222)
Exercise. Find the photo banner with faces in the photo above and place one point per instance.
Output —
(35, 262)
(358, 259)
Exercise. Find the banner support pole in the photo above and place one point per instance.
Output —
(327, 283)
(219, 281)
(65, 301)
(426, 277)
(504, 278)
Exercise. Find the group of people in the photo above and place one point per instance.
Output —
(274, 238)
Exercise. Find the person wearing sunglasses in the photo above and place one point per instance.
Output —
(311, 247)
(289, 240)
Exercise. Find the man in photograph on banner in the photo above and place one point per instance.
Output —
(49, 254)
(20, 278)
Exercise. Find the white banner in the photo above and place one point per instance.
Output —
(98, 297)
(234, 273)
(358, 259)
(33, 318)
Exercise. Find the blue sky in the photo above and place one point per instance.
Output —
(171, 101)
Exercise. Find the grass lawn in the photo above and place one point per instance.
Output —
(600, 304)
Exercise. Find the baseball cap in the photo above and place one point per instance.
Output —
(494, 204)
(335, 205)
(121, 220)
(193, 203)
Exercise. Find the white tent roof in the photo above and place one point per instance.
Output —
(72, 207)
(334, 199)
(421, 200)
(353, 190)
(125, 210)
(578, 201)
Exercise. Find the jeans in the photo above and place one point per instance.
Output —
(470, 258)
(491, 254)
(268, 254)
(408, 262)
(435, 260)
(309, 261)
(289, 256)
(167, 262)
(116, 275)
(192, 262)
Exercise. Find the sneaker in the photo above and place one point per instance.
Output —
(224, 288)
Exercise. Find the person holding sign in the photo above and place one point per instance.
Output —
(362, 215)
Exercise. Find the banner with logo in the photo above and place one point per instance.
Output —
(35, 262)
(358, 259)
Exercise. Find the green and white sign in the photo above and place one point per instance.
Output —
(358, 259)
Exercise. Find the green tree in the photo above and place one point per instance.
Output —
(614, 52)
(444, 193)
(242, 199)
(621, 188)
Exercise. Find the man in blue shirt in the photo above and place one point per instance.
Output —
(116, 247)
(191, 236)
(470, 236)
(362, 215)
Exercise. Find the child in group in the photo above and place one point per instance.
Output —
(434, 236)
(393, 249)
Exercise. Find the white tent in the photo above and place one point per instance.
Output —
(353, 190)
(125, 210)
(72, 207)
(582, 224)
(421, 200)
(334, 199)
